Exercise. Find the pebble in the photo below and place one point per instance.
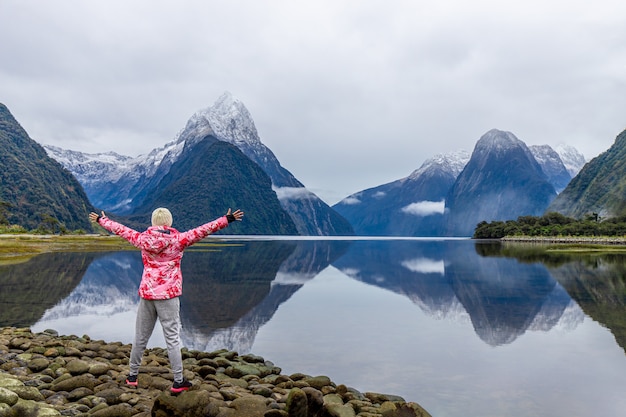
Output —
(47, 374)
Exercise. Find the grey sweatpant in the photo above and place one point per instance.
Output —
(168, 313)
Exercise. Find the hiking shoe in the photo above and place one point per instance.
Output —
(131, 380)
(178, 387)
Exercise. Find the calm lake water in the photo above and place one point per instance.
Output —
(461, 327)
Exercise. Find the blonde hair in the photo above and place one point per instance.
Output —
(161, 217)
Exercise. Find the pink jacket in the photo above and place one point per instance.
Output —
(161, 251)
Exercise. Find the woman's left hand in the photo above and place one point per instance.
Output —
(237, 215)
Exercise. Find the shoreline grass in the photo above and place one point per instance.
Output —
(17, 248)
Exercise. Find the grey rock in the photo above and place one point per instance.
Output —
(8, 397)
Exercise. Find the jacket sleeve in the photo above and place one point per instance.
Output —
(119, 229)
(194, 235)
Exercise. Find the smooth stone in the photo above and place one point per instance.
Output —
(340, 410)
(74, 382)
(33, 408)
(77, 367)
(8, 397)
(79, 393)
(118, 410)
(8, 381)
(38, 364)
(111, 395)
(190, 403)
(28, 393)
(97, 369)
(297, 403)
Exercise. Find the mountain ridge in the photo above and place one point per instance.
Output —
(501, 181)
(35, 190)
(227, 120)
(598, 187)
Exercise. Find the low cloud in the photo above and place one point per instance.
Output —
(350, 201)
(292, 193)
(425, 208)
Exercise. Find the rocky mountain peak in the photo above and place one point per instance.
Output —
(451, 162)
(573, 160)
(228, 119)
(497, 141)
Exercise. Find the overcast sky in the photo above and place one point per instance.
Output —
(348, 94)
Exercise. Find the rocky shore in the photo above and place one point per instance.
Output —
(45, 374)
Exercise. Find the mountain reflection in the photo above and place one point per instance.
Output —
(502, 297)
(505, 297)
(595, 280)
(28, 289)
(233, 288)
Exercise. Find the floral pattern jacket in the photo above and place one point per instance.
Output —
(161, 251)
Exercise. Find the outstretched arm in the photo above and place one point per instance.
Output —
(194, 235)
(119, 229)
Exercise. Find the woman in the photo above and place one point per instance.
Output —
(161, 284)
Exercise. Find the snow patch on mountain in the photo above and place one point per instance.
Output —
(453, 162)
(230, 121)
(573, 160)
(498, 141)
(110, 167)
(545, 155)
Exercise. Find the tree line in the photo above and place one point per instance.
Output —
(552, 224)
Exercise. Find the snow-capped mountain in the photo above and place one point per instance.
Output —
(573, 160)
(420, 204)
(120, 184)
(501, 181)
(551, 165)
(452, 162)
(111, 180)
(411, 206)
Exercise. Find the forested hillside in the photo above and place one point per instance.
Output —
(36, 192)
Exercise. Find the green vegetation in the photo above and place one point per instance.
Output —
(599, 186)
(36, 192)
(22, 247)
(205, 182)
(552, 225)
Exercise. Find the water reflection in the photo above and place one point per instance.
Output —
(30, 288)
(231, 290)
(502, 297)
(230, 296)
(597, 283)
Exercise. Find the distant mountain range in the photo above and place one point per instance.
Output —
(194, 168)
(450, 194)
(218, 161)
(411, 206)
(501, 181)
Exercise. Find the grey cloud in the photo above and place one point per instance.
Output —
(348, 95)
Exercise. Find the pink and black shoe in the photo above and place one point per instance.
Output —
(179, 387)
(131, 380)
